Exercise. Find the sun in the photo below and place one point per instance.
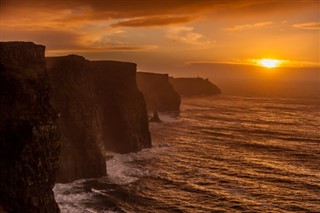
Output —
(269, 63)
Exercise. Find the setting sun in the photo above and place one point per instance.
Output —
(269, 63)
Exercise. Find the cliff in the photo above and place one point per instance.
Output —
(28, 132)
(158, 92)
(100, 109)
(79, 123)
(194, 86)
(125, 120)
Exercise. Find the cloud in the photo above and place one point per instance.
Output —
(17, 14)
(187, 35)
(308, 26)
(247, 26)
(106, 10)
(105, 43)
(52, 39)
(153, 21)
(65, 41)
(109, 48)
(77, 24)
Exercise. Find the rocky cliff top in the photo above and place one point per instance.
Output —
(22, 57)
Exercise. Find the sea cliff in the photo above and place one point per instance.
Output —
(100, 110)
(79, 123)
(194, 86)
(29, 146)
(125, 121)
(83, 108)
(158, 92)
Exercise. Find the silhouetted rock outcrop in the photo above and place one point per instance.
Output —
(100, 109)
(158, 92)
(28, 135)
(194, 86)
(155, 117)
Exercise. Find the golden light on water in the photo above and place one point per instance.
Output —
(269, 63)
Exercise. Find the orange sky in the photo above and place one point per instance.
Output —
(169, 35)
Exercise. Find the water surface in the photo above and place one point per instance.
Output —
(219, 154)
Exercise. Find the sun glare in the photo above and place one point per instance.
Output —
(269, 63)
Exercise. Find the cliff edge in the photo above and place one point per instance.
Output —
(158, 92)
(28, 132)
(194, 86)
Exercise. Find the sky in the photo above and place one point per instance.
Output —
(179, 37)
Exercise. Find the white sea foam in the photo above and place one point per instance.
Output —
(71, 200)
(121, 169)
(168, 117)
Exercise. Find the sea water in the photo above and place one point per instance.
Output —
(219, 154)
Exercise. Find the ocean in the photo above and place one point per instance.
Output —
(229, 153)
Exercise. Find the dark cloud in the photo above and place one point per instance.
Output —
(105, 10)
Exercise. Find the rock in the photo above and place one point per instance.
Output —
(29, 145)
(155, 117)
(158, 91)
(194, 86)
(79, 122)
(125, 120)
(100, 109)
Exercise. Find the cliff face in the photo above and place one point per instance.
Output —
(79, 123)
(100, 109)
(159, 93)
(194, 87)
(28, 135)
(125, 123)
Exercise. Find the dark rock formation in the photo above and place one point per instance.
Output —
(158, 92)
(155, 117)
(194, 86)
(28, 135)
(79, 123)
(100, 109)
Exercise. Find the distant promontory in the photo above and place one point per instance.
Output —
(194, 87)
